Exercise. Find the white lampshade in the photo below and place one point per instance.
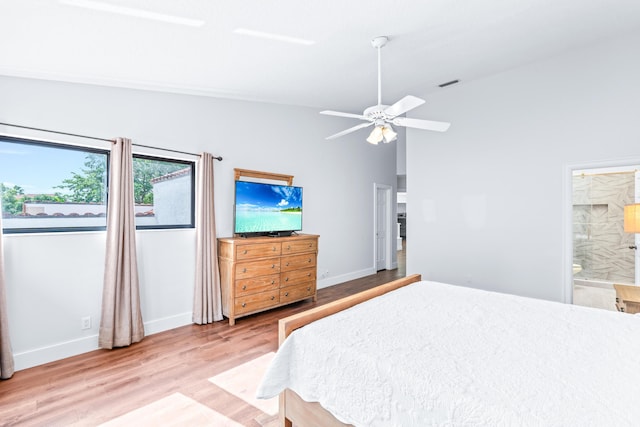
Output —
(632, 218)
(375, 136)
(383, 133)
(388, 133)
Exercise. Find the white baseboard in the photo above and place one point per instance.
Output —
(42, 355)
(334, 280)
(166, 323)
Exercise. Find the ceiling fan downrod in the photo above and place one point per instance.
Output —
(378, 43)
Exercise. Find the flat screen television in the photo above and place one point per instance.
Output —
(267, 209)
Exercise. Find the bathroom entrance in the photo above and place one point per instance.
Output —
(603, 253)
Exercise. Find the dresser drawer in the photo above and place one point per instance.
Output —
(258, 250)
(257, 284)
(297, 246)
(257, 301)
(296, 262)
(294, 277)
(263, 267)
(297, 292)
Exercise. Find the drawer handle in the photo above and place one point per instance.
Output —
(244, 288)
(287, 264)
(286, 294)
(246, 251)
(244, 270)
(308, 274)
(273, 266)
(309, 259)
(309, 289)
(244, 304)
(310, 244)
(286, 279)
(289, 247)
(272, 297)
(273, 281)
(274, 249)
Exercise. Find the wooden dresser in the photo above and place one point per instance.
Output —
(260, 273)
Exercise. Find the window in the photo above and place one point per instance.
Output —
(163, 192)
(52, 187)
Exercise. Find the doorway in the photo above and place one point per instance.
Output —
(382, 229)
(601, 252)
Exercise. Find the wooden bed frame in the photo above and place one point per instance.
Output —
(294, 410)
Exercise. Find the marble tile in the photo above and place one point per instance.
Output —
(600, 243)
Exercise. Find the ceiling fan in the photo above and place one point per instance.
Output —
(382, 116)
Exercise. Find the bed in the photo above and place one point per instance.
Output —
(421, 353)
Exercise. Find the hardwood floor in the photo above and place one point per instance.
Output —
(95, 387)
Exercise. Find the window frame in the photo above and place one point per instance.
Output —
(192, 219)
(107, 153)
(61, 146)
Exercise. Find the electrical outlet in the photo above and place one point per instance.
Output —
(85, 322)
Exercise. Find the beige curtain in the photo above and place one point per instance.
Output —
(6, 354)
(207, 304)
(121, 321)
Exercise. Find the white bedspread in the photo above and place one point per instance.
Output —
(432, 354)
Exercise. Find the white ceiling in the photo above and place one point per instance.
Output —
(431, 42)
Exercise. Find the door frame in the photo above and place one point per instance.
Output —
(388, 189)
(567, 213)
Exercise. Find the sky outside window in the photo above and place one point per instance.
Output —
(36, 168)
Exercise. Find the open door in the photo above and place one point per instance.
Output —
(382, 232)
(603, 253)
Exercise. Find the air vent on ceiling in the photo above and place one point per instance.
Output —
(452, 82)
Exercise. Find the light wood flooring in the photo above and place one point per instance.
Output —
(95, 387)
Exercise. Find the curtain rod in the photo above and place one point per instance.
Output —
(219, 158)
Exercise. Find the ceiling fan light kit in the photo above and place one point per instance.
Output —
(382, 133)
(382, 116)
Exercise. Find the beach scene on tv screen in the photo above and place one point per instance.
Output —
(264, 208)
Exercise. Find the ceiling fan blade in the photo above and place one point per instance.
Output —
(421, 124)
(353, 129)
(407, 103)
(339, 114)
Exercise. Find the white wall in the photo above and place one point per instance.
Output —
(485, 199)
(55, 279)
(401, 158)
